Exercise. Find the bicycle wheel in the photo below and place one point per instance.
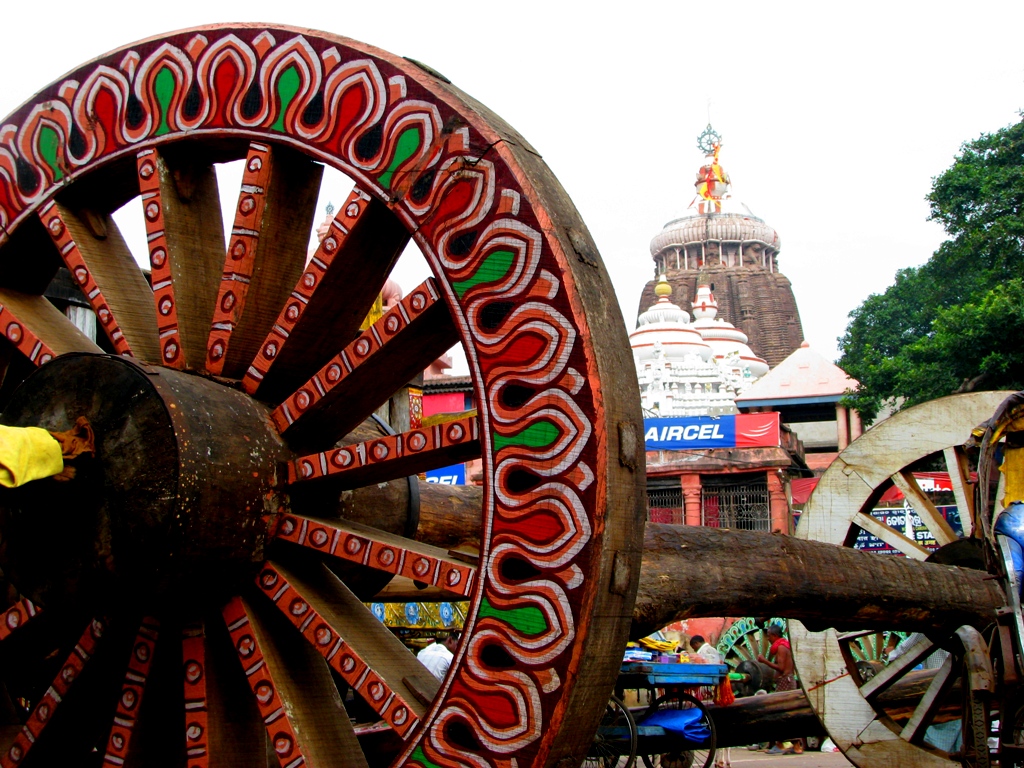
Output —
(700, 756)
(614, 744)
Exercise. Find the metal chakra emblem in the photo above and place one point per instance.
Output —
(708, 141)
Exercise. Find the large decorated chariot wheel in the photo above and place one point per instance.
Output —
(194, 597)
(844, 693)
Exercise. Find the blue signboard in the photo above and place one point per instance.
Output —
(453, 475)
(695, 432)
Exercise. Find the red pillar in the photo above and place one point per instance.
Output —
(691, 499)
(781, 519)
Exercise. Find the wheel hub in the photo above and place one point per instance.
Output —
(175, 499)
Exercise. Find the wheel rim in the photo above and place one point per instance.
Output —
(516, 279)
(836, 511)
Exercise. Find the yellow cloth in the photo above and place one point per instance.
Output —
(376, 313)
(1013, 474)
(27, 453)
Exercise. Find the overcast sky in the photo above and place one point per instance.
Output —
(835, 117)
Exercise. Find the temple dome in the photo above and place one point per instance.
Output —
(666, 326)
(726, 340)
(718, 227)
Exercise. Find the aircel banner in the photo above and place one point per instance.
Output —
(745, 430)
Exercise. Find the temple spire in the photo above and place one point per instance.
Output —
(712, 181)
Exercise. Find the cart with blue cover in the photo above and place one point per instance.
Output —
(674, 731)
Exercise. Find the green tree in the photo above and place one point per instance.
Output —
(955, 323)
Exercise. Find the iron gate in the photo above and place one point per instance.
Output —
(740, 502)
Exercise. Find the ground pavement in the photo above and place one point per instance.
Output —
(744, 758)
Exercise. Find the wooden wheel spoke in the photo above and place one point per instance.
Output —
(380, 550)
(38, 329)
(354, 259)
(299, 703)
(910, 658)
(355, 644)
(959, 477)
(929, 704)
(43, 711)
(193, 660)
(937, 524)
(102, 266)
(890, 536)
(17, 616)
(130, 701)
(392, 456)
(186, 250)
(363, 376)
(265, 254)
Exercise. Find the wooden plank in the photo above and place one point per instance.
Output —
(963, 492)
(356, 645)
(362, 377)
(391, 456)
(129, 703)
(38, 329)
(266, 253)
(890, 536)
(940, 529)
(378, 549)
(104, 269)
(929, 704)
(186, 251)
(331, 298)
(42, 712)
(302, 711)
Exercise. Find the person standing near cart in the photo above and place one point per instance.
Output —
(780, 658)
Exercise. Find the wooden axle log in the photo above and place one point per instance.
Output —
(690, 572)
(789, 715)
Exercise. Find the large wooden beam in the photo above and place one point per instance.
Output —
(691, 572)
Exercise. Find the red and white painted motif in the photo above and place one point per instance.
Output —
(261, 680)
(366, 546)
(383, 450)
(358, 353)
(130, 701)
(44, 710)
(311, 278)
(69, 251)
(339, 655)
(241, 256)
(193, 660)
(17, 616)
(171, 353)
(26, 342)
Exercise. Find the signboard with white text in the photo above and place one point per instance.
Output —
(744, 430)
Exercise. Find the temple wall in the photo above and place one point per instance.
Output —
(758, 302)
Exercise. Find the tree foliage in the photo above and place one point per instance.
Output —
(956, 322)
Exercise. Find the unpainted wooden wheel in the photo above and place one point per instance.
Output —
(194, 597)
(839, 509)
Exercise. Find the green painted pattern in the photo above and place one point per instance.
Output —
(407, 146)
(287, 86)
(163, 86)
(49, 148)
(540, 434)
(420, 757)
(529, 620)
(494, 268)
